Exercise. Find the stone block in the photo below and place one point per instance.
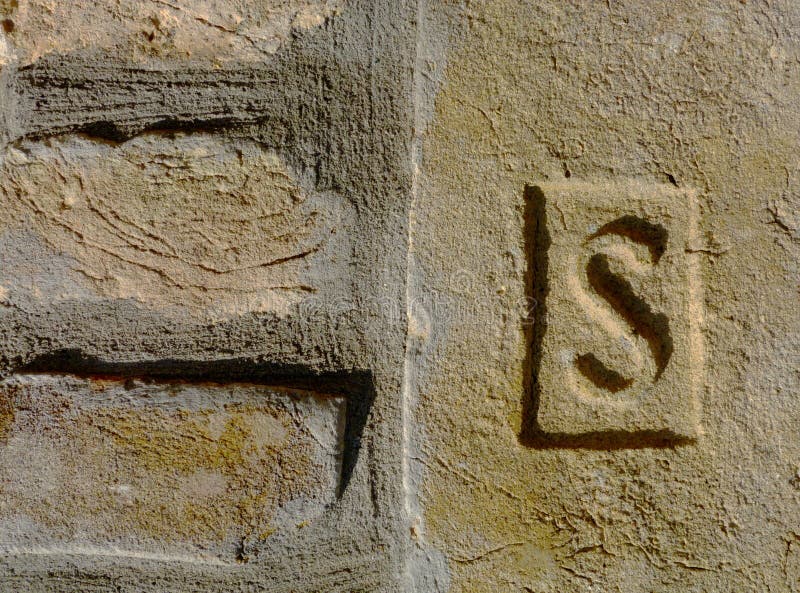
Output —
(192, 220)
(212, 31)
(175, 471)
(617, 344)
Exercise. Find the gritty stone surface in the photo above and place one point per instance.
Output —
(213, 31)
(340, 198)
(223, 227)
(203, 245)
(698, 96)
(169, 469)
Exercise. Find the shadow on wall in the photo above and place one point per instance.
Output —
(356, 386)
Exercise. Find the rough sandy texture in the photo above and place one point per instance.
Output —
(701, 96)
(204, 193)
(222, 227)
(178, 470)
(213, 31)
(615, 343)
(403, 145)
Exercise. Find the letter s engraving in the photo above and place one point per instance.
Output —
(627, 305)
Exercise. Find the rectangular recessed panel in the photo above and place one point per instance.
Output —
(617, 341)
(161, 469)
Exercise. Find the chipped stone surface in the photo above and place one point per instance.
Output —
(213, 31)
(499, 432)
(172, 469)
(202, 222)
(203, 257)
